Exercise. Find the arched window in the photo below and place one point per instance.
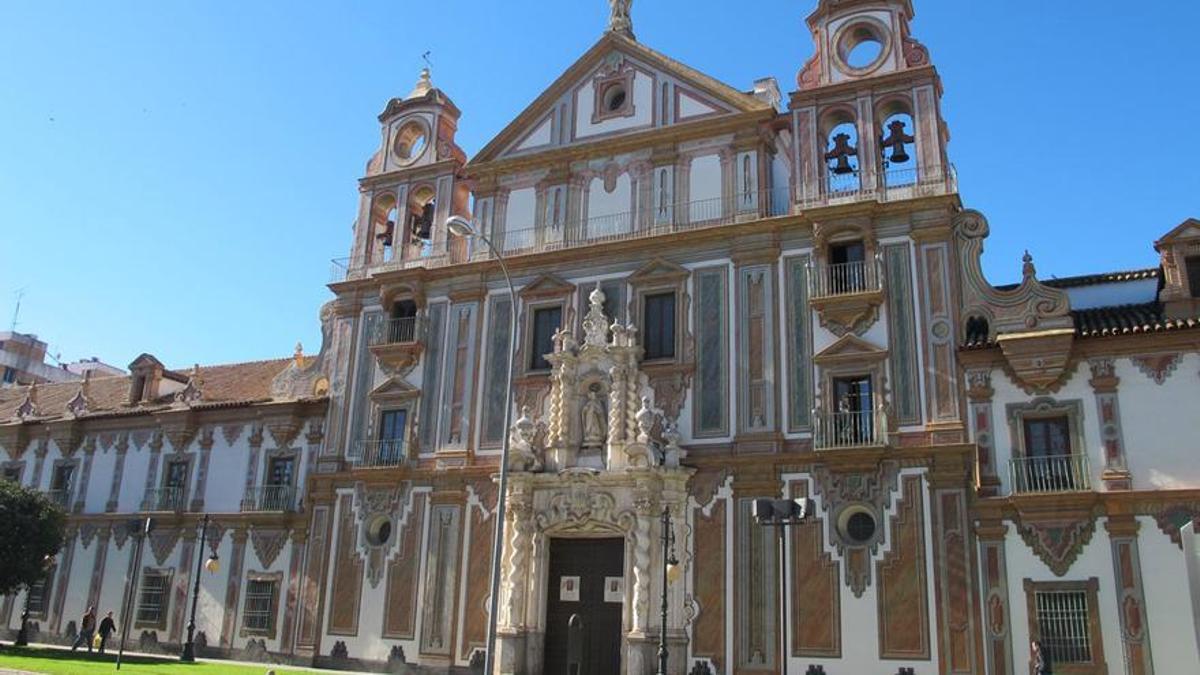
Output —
(383, 229)
(841, 153)
(897, 144)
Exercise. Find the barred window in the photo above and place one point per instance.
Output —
(37, 597)
(1063, 624)
(260, 605)
(152, 601)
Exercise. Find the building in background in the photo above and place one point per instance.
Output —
(722, 295)
(23, 362)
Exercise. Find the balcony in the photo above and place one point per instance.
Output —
(853, 429)
(398, 342)
(1055, 473)
(163, 499)
(378, 454)
(644, 223)
(846, 295)
(887, 186)
(269, 498)
(61, 497)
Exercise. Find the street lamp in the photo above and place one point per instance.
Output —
(781, 513)
(670, 573)
(212, 565)
(23, 634)
(461, 227)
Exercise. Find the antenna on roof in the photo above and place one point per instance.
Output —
(17, 311)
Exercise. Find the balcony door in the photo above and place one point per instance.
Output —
(174, 483)
(853, 410)
(847, 271)
(280, 474)
(391, 436)
(1048, 454)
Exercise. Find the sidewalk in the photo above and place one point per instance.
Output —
(168, 659)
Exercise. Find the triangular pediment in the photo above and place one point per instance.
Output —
(850, 347)
(658, 269)
(1188, 229)
(394, 388)
(663, 92)
(145, 362)
(547, 285)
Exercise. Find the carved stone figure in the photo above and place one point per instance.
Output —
(645, 421)
(521, 453)
(619, 20)
(672, 452)
(595, 324)
(595, 426)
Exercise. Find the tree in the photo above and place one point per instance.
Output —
(31, 529)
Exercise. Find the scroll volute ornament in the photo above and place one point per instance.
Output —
(1031, 323)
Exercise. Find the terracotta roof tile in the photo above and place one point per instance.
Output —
(221, 384)
(1093, 279)
(1105, 322)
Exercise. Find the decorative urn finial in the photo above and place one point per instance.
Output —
(619, 21)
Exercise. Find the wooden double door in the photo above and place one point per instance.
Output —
(583, 606)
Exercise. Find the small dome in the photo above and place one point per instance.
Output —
(424, 86)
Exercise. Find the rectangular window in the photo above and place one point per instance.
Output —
(62, 477)
(176, 475)
(151, 608)
(658, 321)
(1192, 264)
(1047, 436)
(847, 269)
(853, 420)
(391, 435)
(1064, 626)
(281, 471)
(10, 375)
(546, 320)
(37, 596)
(12, 473)
(259, 615)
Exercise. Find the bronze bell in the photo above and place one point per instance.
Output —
(841, 153)
(895, 140)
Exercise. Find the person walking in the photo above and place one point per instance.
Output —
(1041, 660)
(87, 626)
(107, 628)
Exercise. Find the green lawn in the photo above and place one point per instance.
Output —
(65, 663)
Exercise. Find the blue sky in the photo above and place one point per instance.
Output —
(175, 176)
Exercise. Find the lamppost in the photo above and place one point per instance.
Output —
(212, 565)
(139, 530)
(670, 572)
(23, 634)
(461, 227)
(780, 513)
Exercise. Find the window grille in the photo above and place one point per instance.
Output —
(260, 600)
(1064, 626)
(153, 597)
(37, 597)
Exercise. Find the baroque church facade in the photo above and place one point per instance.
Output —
(721, 295)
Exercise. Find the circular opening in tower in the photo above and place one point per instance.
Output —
(410, 141)
(862, 46)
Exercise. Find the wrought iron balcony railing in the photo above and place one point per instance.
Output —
(1054, 473)
(403, 330)
(886, 186)
(378, 454)
(163, 499)
(827, 280)
(854, 429)
(61, 497)
(270, 498)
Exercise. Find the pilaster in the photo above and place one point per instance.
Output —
(1104, 383)
(1131, 600)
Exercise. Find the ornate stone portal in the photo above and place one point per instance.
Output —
(591, 468)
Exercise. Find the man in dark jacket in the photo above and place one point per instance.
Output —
(87, 626)
(107, 628)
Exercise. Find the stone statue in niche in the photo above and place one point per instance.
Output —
(672, 452)
(522, 456)
(595, 424)
(645, 421)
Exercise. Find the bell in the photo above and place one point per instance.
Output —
(842, 166)
(898, 154)
(895, 140)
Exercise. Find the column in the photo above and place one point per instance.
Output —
(206, 443)
(979, 397)
(114, 490)
(1131, 601)
(997, 641)
(1104, 384)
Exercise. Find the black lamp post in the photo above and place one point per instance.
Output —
(189, 647)
(781, 513)
(669, 570)
(23, 634)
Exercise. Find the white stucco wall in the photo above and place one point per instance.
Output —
(643, 108)
(1168, 601)
(704, 183)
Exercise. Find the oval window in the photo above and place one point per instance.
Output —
(410, 142)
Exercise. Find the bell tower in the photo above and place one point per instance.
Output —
(866, 115)
(412, 183)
